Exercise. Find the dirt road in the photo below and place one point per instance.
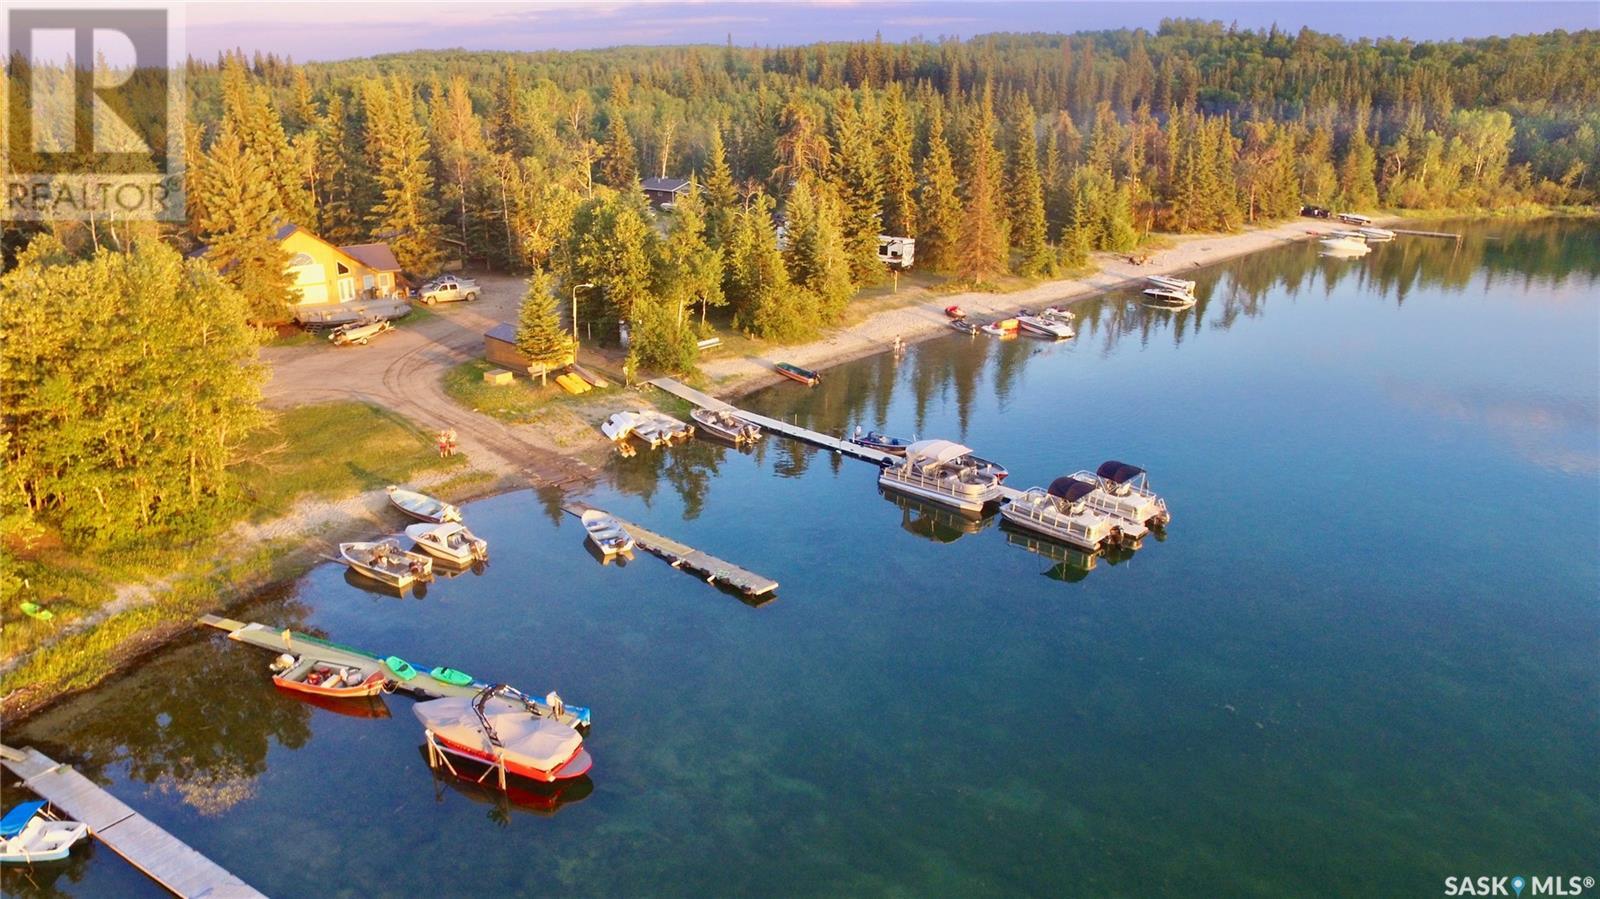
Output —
(402, 371)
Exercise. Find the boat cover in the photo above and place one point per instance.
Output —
(1118, 472)
(527, 739)
(18, 818)
(1070, 489)
(938, 451)
(620, 424)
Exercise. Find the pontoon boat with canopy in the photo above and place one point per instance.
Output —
(942, 471)
(1060, 512)
(1122, 491)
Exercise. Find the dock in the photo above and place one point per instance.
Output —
(687, 558)
(158, 854)
(423, 685)
(775, 425)
(1454, 237)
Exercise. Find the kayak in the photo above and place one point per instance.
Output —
(401, 668)
(451, 676)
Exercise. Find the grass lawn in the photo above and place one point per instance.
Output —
(523, 401)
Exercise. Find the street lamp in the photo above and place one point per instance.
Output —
(575, 289)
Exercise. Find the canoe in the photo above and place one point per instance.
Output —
(401, 668)
(451, 676)
(589, 376)
(384, 561)
(312, 675)
(422, 506)
(795, 373)
(606, 533)
(451, 542)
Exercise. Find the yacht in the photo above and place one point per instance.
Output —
(939, 470)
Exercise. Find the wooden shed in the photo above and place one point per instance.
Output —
(500, 348)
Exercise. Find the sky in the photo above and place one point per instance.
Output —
(310, 31)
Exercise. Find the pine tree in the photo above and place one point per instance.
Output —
(816, 256)
(239, 224)
(1028, 228)
(540, 336)
(619, 166)
(982, 235)
(405, 215)
(940, 207)
(899, 176)
(857, 177)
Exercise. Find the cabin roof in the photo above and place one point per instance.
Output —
(672, 185)
(376, 256)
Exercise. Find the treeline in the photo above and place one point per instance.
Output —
(1007, 153)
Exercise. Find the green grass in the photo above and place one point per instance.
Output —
(522, 401)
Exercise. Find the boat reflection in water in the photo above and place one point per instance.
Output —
(477, 782)
(1072, 564)
(932, 521)
(353, 707)
(600, 555)
(448, 570)
(419, 590)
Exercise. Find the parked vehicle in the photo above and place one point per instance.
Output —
(358, 333)
(1316, 212)
(449, 289)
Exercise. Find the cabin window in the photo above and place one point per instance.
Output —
(343, 269)
(368, 282)
(300, 259)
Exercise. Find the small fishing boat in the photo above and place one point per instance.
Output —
(1168, 298)
(606, 533)
(1044, 327)
(28, 835)
(1174, 283)
(1376, 234)
(309, 674)
(422, 506)
(935, 470)
(504, 729)
(384, 561)
(1059, 313)
(964, 326)
(795, 373)
(1060, 512)
(1122, 491)
(451, 542)
(726, 425)
(955, 312)
(883, 443)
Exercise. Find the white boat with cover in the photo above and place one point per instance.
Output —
(1122, 491)
(940, 470)
(1168, 298)
(1045, 327)
(1174, 283)
(503, 729)
(606, 532)
(422, 506)
(384, 561)
(620, 425)
(28, 835)
(450, 541)
(1061, 513)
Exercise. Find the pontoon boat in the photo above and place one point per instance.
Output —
(934, 469)
(1061, 512)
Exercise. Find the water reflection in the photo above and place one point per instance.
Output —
(931, 521)
(417, 590)
(1071, 564)
(477, 783)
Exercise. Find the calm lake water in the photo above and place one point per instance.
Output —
(1363, 658)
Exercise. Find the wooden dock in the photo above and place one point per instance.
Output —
(687, 558)
(775, 425)
(1427, 233)
(160, 855)
(423, 685)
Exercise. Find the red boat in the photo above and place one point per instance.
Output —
(327, 679)
(795, 373)
(499, 726)
(955, 312)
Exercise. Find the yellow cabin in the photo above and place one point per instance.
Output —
(320, 272)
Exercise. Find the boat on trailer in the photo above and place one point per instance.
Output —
(1351, 218)
(883, 443)
(422, 506)
(384, 561)
(1122, 491)
(29, 834)
(317, 677)
(450, 541)
(726, 425)
(606, 532)
(1044, 327)
(795, 373)
(1174, 283)
(1168, 298)
(1061, 512)
(502, 728)
(941, 470)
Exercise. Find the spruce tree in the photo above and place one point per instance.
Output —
(857, 177)
(816, 256)
(239, 223)
(981, 236)
(405, 215)
(721, 195)
(937, 200)
(1028, 228)
(540, 336)
(899, 176)
(619, 166)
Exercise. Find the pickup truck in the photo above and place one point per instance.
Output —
(448, 289)
(359, 333)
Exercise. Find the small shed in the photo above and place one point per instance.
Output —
(664, 190)
(500, 348)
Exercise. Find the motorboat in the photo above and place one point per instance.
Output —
(1123, 492)
(504, 729)
(964, 326)
(1174, 283)
(1376, 234)
(1044, 327)
(955, 312)
(1059, 313)
(450, 541)
(606, 532)
(1005, 327)
(1349, 243)
(938, 470)
(726, 425)
(1168, 298)
(894, 446)
(795, 373)
(385, 562)
(1060, 511)
(422, 506)
(28, 834)
(309, 674)
(660, 429)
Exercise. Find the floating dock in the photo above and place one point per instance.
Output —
(687, 558)
(423, 685)
(160, 855)
(1448, 234)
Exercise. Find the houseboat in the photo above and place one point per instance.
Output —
(1062, 513)
(1122, 491)
(936, 470)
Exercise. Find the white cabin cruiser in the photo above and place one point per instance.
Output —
(939, 470)
(451, 542)
(1062, 513)
(1123, 493)
(1045, 327)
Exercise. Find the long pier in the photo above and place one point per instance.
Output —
(779, 426)
(423, 684)
(685, 557)
(1427, 233)
(158, 854)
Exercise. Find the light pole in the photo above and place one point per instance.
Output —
(575, 289)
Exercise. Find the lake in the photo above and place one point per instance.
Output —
(1362, 659)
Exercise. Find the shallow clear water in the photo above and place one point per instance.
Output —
(1362, 660)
